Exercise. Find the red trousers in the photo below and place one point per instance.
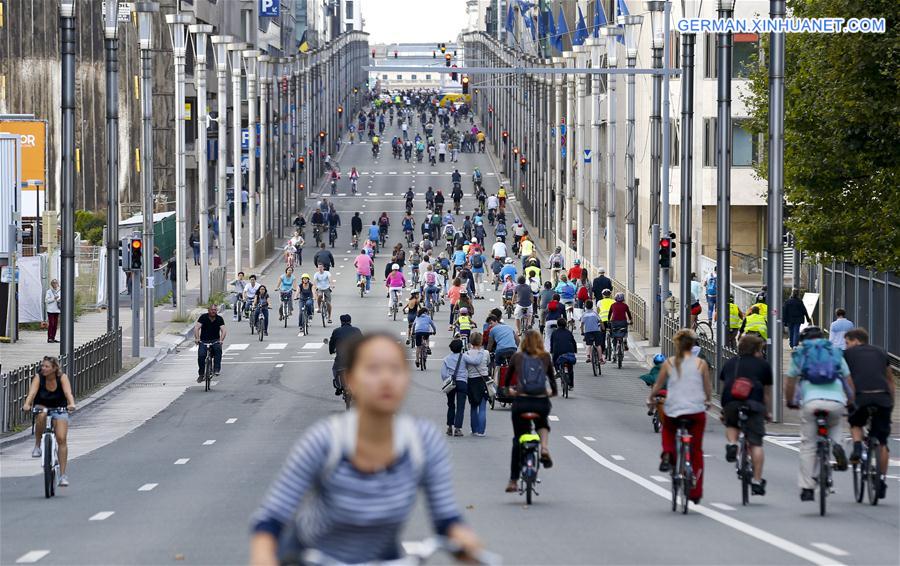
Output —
(698, 423)
(52, 325)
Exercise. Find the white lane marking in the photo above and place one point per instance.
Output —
(148, 487)
(389, 194)
(194, 348)
(232, 420)
(894, 462)
(208, 442)
(277, 346)
(32, 556)
(431, 343)
(313, 345)
(726, 520)
(617, 457)
(279, 365)
(722, 506)
(237, 347)
(492, 299)
(829, 549)
(552, 418)
(590, 439)
(102, 516)
(660, 479)
(784, 442)
(182, 461)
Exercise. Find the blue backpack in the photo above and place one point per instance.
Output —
(712, 286)
(818, 361)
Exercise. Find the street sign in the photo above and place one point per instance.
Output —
(562, 129)
(269, 8)
(562, 151)
(587, 155)
(124, 13)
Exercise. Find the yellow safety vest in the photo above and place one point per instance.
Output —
(763, 308)
(603, 308)
(465, 323)
(757, 323)
(734, 316)
(534, 272)
(501, 193)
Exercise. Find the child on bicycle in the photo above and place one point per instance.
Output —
(509, 287)
(411, 308)
(590, 328)
(464, 324)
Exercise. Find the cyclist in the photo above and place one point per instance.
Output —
(287, 285)
(50, 388)
(557, 264)
(620, 316)
(566, 291)
(423, 328)
(501, 197)
(238, 285)
(394, 282)
(755, 322)
(576, 271)
(735, 319)
(415, 260)
(524, 299)
(429, 199)
(427, 229)
(492, 204)
(563, 348)
(364, 267)
(323, 257)
(432, 286)
(354, 180)
(874, 384)
(750, 364)
(261, 305)
(464, 323)
(555, 311)
(374, 233)
(356, 225)
(324, 284)
(306, 296)
(817, 359)
(334, 221)
(590, 328)
(383, 224)
(318, 221)
(210, 327)
(408, 225)
(338, 347)
(410, 195)
(689, 391)
(411, 309)
(601, 283)
(456, 178)
(531, 368)
(480, 233)
(476, 178)
(250, 291)
(290, 252)
(457, 196)
(298, 242)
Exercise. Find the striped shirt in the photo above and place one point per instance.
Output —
(355, 516)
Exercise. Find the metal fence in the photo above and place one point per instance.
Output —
(94, 363)
(868, 297)
(707, 348)
(217, 280)
(638, 307)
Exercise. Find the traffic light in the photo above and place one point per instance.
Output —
(373, 54)
(136, 253)
(671, 246)
(302, 162)
(395, 54)
(447, 58)
(301, 186)
(523, 162)
(665, 252)
(124, 253)
(322, 136)
(465, 85)
(434, 55)
(443, 48)
(505, 135)
(340, 110)
(453, 75)
(516, 150)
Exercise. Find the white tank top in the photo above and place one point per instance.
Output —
(685, 388)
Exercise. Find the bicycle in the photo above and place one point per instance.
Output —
(682, 470)
(415, 552)
(566, 370)
(594, 352)
(49, 449)
(703, 329)
(346, 396)
(287, 307)
(422, 352)
(332, 236)
(209, 363)
(524, 323)
(530, 449)
(361, 284)
(409, 237)
(260, 323)
(395, 302)
(823, 459)
(867, 477)
(317, 234)
(239, 307)
(654, 412)
(324, 304)
(304, 318)
(744, 462)
(618, 344)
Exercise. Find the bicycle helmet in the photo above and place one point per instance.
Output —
(577, 262)
(607, 293)
(463, 292)
(811, 333)
(395, 267)
(305, 276)
(464, 310)
(601, 271)
(509, 260)
(658, 359)
(620, 297)
(413, 292)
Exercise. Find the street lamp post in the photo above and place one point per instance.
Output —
(145, 12)
(666, 272)
(596, 47)
(687, 171)
(67, 38)
(723, 182)
(178, 33)
(264, 61)
(251, 62)
(201, 35)
(631, 23)
(559, 160)
(220, 53)
(656, 8)
(111, 31)
(613, 33)
(571, 134)
(237, 176)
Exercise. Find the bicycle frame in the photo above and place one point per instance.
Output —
(49, 449)
(744, 461)
(530, 444)
(682, 471)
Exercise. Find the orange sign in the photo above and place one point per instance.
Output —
(33, 136)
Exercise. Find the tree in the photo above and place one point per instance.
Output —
(842, 134)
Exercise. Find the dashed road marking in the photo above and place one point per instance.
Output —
(279, 365)
(660, 479)
(232, 347)
(617, 457)
(552, 418)
(102, 516)
(829, 549)
(182, 461)
(313, 345)
(148, 487)
(208, 442)
(232, 420)
(590, 439)
(277, 346)
(32, 556)
(722, 506)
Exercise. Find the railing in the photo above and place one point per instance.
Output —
(93, 363)
(217, 281)
(638, 307)
(707, 348)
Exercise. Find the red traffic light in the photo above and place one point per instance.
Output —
(665, 243)
(505, 134)
(340, 109)
(136, 245)
(516, 150)
(301, 186)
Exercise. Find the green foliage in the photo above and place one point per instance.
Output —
(90, 225)
(842, 134)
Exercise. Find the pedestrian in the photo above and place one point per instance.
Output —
(194, 241)
(476, 360)
(794, 313)
(245, 198)
(839, 327)
(171, 271)
(455, 385)
(157, 260)
(53, 300)
(712, 292)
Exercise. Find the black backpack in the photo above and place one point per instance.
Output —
(478, 261)
(533, 380)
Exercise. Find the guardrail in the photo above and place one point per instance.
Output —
(707, 348)
(93, 363)
(638, 307)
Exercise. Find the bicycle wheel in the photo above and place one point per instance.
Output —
(48, 465)
(324, 317)
(208, 370)
(284, 314)
(824, 464)
(260, 328)
(595, 360)
(655, 421)
(620, 354)
(859, 480)
(744, 473)
(873, 471)
(565, 384)
(686, 485)
(676, 488)
(703, 330)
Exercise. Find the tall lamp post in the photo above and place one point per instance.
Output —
(250, 58)
(264, 61)
(631, 23)
(178, 24)
(596, 47)
(67, 38)
(201, 35)
(145, 12)
(237, 218)
(220, 54)
(612, 34)
(657, 42)
(111, 32)
(687, 171)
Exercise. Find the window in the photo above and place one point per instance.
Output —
(348, 10)
(348, 26)
(384, 77)
(412, 77)
(399, 77)
(745, 49)
(427, 77)
(744, 145)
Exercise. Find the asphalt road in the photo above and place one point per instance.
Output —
(176, 480)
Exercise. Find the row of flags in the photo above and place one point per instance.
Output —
(548, 28)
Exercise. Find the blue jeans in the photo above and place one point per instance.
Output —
(217, 356)
(478, 416)
(794, 334)
(308, 303)
(265, 313)
(456, 404)
(710, 306)
(368, 281)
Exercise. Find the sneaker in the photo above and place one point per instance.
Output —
(664, 463)
(234, 317)
(479, 434)
(807, 495)
(758, 488)
(840, 457)
(36, 453)
(512, 486)
(200, 378)
(856, 455)
(64, 481)
(449, 431)
(458, 432)
(217, 374)
(731, 452)
(882, 488)
(337, 392)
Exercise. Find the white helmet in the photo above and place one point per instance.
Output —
(395, 267)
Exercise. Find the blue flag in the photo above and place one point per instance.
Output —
(623, 11)
(555, 40)
(581, 32)
(524, 8)
(509, 17)
(599, 18)
(562, 31)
